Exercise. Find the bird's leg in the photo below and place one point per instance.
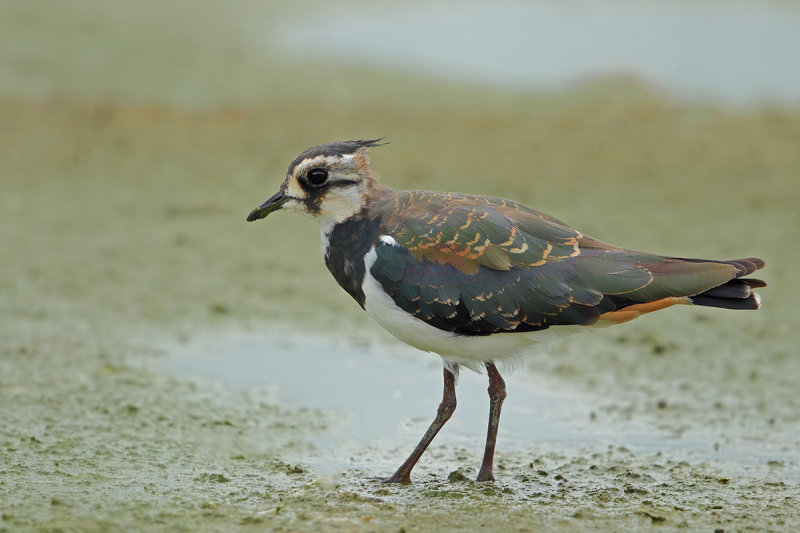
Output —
(446, 408)
(497, 393)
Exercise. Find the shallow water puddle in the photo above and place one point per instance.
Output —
(389, 394)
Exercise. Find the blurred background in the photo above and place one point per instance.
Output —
(135, 136)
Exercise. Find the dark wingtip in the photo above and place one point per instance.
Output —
(745, 266)
(748, 265)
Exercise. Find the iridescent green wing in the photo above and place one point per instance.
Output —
(469, 232)
(478, 265)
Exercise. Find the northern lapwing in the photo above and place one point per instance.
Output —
(478, 279)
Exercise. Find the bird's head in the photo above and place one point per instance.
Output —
(329, 183)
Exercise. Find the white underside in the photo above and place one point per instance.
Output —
(469, 351)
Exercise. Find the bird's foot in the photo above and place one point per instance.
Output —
(484, 475)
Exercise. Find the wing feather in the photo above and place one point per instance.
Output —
(476, 265)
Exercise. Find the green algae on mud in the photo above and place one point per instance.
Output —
(122, 230)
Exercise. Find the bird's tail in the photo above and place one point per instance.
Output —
(737, 293)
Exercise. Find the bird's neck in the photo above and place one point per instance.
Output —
(344, 246)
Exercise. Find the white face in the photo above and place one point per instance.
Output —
(330, 189)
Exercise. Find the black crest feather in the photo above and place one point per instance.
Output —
(336, 148)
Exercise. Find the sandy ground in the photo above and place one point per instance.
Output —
(127, 167)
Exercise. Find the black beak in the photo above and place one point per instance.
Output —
(273, 204)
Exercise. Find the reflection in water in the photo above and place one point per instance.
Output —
(735, 52)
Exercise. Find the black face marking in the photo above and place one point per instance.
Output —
(313, 198)
(337, 148)
(316, 192)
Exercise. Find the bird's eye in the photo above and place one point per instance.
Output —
(317, 176)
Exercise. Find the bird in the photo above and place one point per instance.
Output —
(479, 280)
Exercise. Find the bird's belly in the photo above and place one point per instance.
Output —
(469, 350)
